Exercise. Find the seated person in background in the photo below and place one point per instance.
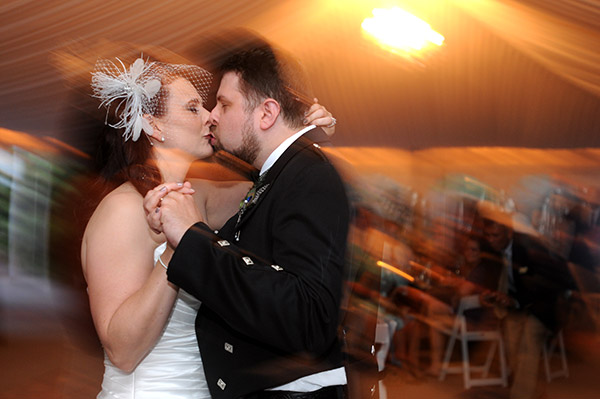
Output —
(534, 278)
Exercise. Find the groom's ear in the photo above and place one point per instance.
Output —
(270, 110)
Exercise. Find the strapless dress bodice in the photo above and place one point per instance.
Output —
(173, 368)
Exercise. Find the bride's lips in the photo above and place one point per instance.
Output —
(210, 138)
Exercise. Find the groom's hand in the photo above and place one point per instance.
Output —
(170, 209)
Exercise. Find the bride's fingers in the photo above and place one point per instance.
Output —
(153, 200)
(172, 186)
(154, 222)
(186, 188)
(316, 108)
(318, 116)
(324, 120)
(153, 216)
(321, 122)
(154, 196)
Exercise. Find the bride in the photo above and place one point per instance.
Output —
(156, 128)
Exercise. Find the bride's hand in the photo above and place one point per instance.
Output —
(318, 115)
(178, 212)
(154, 197)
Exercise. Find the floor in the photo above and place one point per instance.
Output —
(48, 350)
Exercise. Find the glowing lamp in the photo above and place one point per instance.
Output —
(399, 31)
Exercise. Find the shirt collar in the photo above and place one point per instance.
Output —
(282, 147)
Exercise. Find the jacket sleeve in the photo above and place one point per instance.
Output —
(291, 301)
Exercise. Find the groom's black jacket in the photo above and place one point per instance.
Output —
(271, 298)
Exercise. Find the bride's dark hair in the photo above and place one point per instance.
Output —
(120, 161)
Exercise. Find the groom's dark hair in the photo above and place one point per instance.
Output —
(268, 73)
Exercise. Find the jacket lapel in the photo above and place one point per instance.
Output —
(272, 174)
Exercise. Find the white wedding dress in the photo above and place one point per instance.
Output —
(172, 369)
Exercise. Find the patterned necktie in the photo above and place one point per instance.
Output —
(252, 195)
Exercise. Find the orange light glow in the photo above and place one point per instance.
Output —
(395, 270)
(400, 32)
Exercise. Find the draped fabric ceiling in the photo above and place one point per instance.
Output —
(511, 73)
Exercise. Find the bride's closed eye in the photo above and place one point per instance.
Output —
(194, 106)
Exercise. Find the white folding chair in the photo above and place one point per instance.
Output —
(464, 335)
(555, 344)
(384, 334)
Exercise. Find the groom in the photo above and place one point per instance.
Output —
(270, 280)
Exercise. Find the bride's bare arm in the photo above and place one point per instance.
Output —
(130, 297)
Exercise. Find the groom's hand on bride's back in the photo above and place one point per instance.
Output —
(170, 209)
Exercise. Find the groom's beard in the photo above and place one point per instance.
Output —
(248, 150)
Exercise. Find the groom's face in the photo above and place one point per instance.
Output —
(234, 128)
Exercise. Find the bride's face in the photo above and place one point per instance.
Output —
(185, 126)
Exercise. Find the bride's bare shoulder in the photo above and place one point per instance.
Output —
(123, 204)
(123, 196)
(118, 225)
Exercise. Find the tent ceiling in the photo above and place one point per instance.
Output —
(484, 88)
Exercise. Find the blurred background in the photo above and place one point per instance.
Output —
(501, 105)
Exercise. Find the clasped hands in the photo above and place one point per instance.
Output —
(170, 209)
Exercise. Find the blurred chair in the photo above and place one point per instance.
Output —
(555, 345)
(461, 333)
(384, 333)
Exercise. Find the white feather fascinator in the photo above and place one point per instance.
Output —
(134, 90)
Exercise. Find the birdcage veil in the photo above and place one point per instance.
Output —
(132, 92)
